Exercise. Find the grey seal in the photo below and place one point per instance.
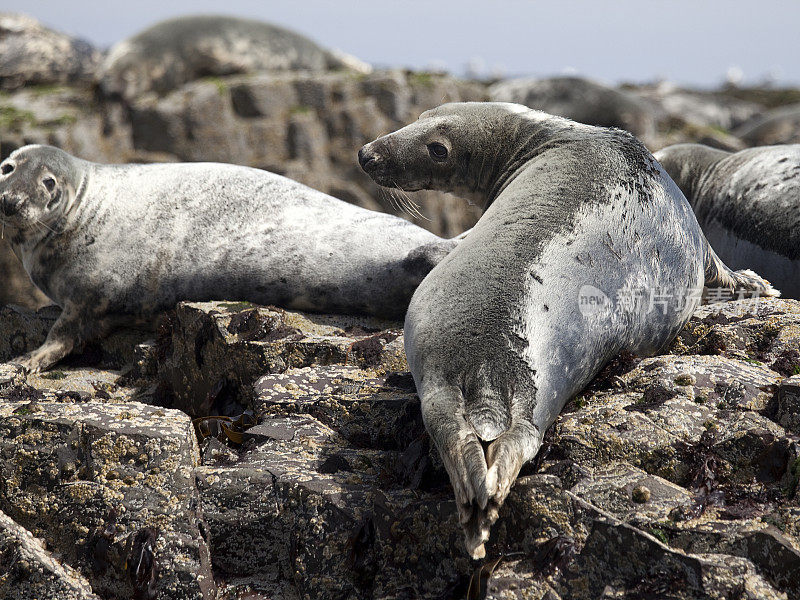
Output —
(748, 204)
(176, 51)
(580, 222)
(112, 244)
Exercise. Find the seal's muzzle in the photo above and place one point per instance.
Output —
(10, 206)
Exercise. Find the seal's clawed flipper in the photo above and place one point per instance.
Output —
(719, 275)
(481, 481)
(751, 281)
(45, 356)
(70, 330)
(504, 457)
(61, 340)
(460, 449)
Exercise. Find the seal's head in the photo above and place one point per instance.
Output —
(36, 183)
(461, 147)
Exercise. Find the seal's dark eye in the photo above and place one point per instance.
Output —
(437, 151)
(6, 168)
(49, 183)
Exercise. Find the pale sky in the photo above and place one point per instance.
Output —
(688, 41)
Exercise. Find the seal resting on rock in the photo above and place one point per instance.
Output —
(586, 248)
(111, 242)
(748, 204)
(173, 52)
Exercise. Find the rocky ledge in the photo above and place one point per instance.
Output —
(250, 452)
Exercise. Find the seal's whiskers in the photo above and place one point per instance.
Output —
(388, 194)
(408, 204)
(46, 226)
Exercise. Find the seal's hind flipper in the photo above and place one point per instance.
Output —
(505, 457)
(719, 275)
(461, 452)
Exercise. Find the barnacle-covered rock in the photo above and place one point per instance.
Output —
(110, 488)
(30, 571)
(675, 475)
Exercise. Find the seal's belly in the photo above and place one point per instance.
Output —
(310, 257)
(782, 272)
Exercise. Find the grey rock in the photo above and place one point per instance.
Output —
(776, 555)
(108, 485)
(788, 404)
(583, 100)
(759, 332)
(173, 52)
(620, 561)
(31, 54)
(212, 352)
(336, 491)
(317, 510)
(778, 126)
(66, 116)
(30, 571)
(699, 108)
(611, 487)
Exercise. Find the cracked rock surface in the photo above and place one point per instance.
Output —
(308, 472)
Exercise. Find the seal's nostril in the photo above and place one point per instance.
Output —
(365, 159)
(9, 207)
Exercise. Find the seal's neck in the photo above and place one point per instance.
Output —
(516, 139)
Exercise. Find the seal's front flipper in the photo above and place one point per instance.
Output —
(46, 355)
(462, 455)
(752, 281)
(719, 275)
(61, 340)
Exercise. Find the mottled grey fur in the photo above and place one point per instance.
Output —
(495, 337)
(748, 204)
(109, 242)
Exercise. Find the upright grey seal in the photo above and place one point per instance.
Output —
(586, 248)
(748, 204)
(110, 242)
(173, 52)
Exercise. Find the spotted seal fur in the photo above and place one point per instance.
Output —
(112, 242)
(579, 222)
(748, 204)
